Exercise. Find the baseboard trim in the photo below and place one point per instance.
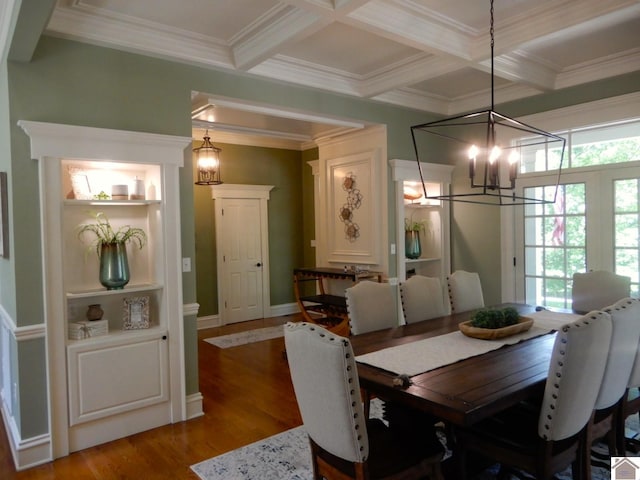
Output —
(212, 321)
(284, 309)
(194, 405)
(26, 453)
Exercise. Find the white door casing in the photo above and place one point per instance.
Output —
(243, 251)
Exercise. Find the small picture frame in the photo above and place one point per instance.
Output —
(80, 184)
(136, 313)
(4, 216)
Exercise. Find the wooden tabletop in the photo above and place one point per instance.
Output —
(469, 390)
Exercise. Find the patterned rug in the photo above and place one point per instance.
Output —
(243, 338)
(286, 456)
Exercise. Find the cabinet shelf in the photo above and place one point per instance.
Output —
(111, 203)
(422, 260)
(420, 206)
(119, 336)
(143, 287)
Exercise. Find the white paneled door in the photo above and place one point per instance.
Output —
(242, 259)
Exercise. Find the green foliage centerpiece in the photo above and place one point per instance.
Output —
(110, 245)
(493, 323)
(495, 317)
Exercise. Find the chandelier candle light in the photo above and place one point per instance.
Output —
(498, 148)
(208, 162)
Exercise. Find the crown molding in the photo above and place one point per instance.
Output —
(138, 37)
(603, 68)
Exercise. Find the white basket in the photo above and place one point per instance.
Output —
(88, 329)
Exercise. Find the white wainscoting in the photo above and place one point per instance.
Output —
(33, 451)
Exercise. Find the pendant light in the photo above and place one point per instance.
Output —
(208, 162)
(496, 147)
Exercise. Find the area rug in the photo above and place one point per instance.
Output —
(286, 456)
(243, 338)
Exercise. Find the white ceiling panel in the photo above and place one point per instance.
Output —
(425, 54)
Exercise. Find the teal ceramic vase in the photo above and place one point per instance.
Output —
(412, 247)
(114, 266)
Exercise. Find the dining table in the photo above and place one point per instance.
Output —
(459, 388)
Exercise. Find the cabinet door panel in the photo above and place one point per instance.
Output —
(117, 378)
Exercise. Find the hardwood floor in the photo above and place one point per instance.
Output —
(247, 397)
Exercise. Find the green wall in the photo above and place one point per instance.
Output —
(256, 166)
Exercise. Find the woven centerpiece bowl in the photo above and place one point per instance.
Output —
(524, 324)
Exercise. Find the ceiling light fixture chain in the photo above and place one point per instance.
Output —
(497, 147)
(492, 35)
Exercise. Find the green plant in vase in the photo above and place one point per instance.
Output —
(412, 229)
(110, 245)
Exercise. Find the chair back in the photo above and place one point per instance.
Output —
(625, 318)
(465, 291)
(421, 298)
(597, 289)
(325, 381)
(575, 374)
(371, 306)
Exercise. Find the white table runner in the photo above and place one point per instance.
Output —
(431, 353)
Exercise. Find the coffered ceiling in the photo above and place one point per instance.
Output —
(432, 55)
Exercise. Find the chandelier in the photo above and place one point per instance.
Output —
(208, 162)
(496, 146)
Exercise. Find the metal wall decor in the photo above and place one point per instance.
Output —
(354, 201)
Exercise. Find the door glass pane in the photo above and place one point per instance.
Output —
(627, 230)
(555, 245)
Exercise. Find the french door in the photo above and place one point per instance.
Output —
(594, 224)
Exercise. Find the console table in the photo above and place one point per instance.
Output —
(330, 310)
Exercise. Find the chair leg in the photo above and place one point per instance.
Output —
(583, 461)
(314, 460)
(618, 432)
(366, 400)
(460, 460)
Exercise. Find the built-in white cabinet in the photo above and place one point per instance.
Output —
(109, 380)
(411, 205)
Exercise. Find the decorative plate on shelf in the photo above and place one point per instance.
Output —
(524, 324)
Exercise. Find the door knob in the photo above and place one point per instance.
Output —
(258, 264)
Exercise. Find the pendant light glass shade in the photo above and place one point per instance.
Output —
(208, 162)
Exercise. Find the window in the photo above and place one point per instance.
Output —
(555, 243)
(586, 147)
(627, 230)
(594, 222)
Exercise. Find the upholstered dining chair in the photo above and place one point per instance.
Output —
(625, 320)
(421, 298)
(465, 291)
(345, 443)
(598, 289)
(630, 406)
(371, 306)
(543, 441)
